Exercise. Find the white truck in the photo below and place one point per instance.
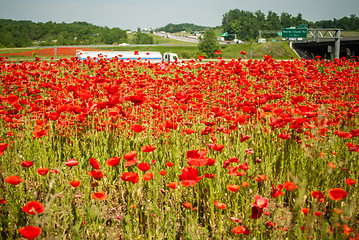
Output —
(127, 55)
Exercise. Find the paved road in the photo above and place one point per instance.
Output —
(182, 38)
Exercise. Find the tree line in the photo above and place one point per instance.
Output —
(25, 33)
(188, 27)
(246, 24)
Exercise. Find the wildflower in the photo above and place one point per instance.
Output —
(30, 232)
(99, 195)
(233, 188)
(130, 177)
(147, 176)
(75, 183)
(33, 207)
(148, 148)
(26, 164)
(144, 167)
(72, 162)
(337, 194)
(350, 182)
(43, 171)
(113, 161)
(290, 186)
(276, 192)
(94, 163)
(187, 205)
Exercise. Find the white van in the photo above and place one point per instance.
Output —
(262, 40)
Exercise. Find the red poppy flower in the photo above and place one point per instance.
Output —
(187, 205)
(233, 188)
(188, 131)
(147, 176)
(148, 148)
(33, 208)
(337, 194)
(260, 202)
(71, 162)
(170, 125)
(136, 99)
(331, 165)
(144, 167)
(97, 174)
(244, 138)
(249, 151)
(26, 164)
(317, 213)
(284, 136)
(189, 176)
(271, 224)
(94, 163)
(3, 147)
(317, 194)
(305, 211)
(136, 53)
(137, 128)
(113, 161)
(30, 232)
(130, 177)
(131, 162)
(100, 195)
(54, 170)
(260, 178)
(238, 230)
(218, 52)
(236, 220)
(220, 205)
(75, 183)
(256, 212)
(162, 172)
(169, 164)
(2, 201)
(12, 99)
(243, 53)
(43, 171)
(290, 186)
(172, 185)
(209, 175)
(276, 192)
(350, 182)
(54, 116)
(216, 147)
(39, 133)
(130, 155)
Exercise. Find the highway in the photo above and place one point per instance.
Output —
(192, 39)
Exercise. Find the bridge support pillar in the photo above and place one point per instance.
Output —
(337, 44)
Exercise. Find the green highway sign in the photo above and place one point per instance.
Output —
(224, 34)
(294, 33)
(303, 26)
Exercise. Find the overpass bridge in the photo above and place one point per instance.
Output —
(349, 47)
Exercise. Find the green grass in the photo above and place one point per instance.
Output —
(278, 50)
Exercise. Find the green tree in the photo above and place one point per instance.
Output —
(208, 44)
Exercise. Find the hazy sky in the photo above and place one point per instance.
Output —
(130, 14)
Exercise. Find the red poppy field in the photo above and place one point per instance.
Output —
(258, 149)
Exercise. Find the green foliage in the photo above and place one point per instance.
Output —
(24, 33)
(208, 44)
(142, 38)
(188, 27)
(246, 24)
